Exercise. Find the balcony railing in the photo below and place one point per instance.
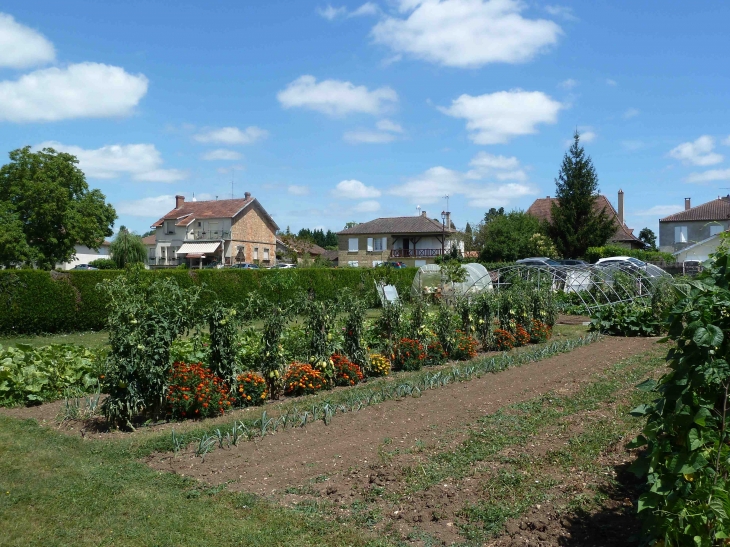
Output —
(414, 253)
(208, 235)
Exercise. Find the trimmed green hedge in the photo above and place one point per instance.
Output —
(35, 301)
(595, 253)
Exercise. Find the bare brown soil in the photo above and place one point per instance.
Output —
(572, 319)
(345, 451)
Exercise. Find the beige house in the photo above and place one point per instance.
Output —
(414, 240)
(222, 232)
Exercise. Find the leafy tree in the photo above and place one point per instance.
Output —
(127, 248)
(576, 225)
(46, 203)
(508, 237)
(151, 232)
(103, 264)
(351, 224)
(648, 237)
(493, 213)
(468, 238)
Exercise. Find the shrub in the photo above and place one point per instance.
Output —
(632, 319)
(465, 347)
(103, 264)
(503, 340)
(302, 379)
(347, 373)
(223, 326)
(195, 392)
(522, 337)
(539, 332)
(435, 354)
(250, 389)
(379, 365)
(595, 253)
(409, 354)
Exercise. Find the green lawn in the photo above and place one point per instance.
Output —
(90, 339)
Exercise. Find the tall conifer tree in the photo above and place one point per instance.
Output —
(576, 224)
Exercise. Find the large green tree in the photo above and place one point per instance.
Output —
(648, 238)
(47, 208)
(508, 237)
(127, 248)
(576, 224)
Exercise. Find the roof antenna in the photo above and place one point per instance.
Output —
(418, 210)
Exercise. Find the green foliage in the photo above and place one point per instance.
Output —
(409, 355)
(626, 319)
(508, 237)
(592, 254)
(49, 209)
(43, 302)
(686, 461)
(223, 325)
(453, 272)
(127, 249)
(354, 330)
(648, 237)
(320, 322)
(31, 375)
(103, 264)
(444, 324)
(575, 224)
(144, 320)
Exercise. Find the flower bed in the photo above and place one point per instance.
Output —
(251, 390)
(195, 392)
(303, 379)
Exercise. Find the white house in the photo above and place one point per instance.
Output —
(701, 250)
(84, 255)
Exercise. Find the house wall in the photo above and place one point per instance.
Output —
(251, 230)
(699, 252)
(84, 255)
(367, 259)
(696, 231)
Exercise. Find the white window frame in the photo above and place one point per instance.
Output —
(379, 244)
(680, 234)
(353, 244)
(266, 254)
(716, 229)
(377, 263)
(255, 253)
(370, 244)
(353, 263)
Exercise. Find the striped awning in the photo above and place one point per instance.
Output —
(199, 248)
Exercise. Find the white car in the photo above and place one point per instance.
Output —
(631, 264)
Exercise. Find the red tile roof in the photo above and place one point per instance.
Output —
(219, 208)
(717, 209)
(398, 225)
(542, 209)
(149, 240)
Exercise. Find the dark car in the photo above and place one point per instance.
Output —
(246, 266)
(393, 264)
(84, 267)
(572, 262)
(538, 261)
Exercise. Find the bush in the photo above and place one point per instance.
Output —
(409, 354)
(103, 264)
(347, 373)
(502, 340)
(195, 392)
(540, 332)
(379, 365)
(632, 319)
(250, 389)
(435, 354)
(522, 337)
(593, 254)
(465, 347)
(302, 379)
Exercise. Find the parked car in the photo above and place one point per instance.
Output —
(572, 262)
(397, 265)
(246, 266)
(283, 265)
(83, 267)
(538, 261)
(630, 264)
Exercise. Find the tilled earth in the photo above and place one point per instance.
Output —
(359, 467)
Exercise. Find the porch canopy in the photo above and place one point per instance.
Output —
(198, 248)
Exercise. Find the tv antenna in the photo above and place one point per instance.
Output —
(446, 197)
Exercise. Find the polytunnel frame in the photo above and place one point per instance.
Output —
(475, 284)
(582, 279)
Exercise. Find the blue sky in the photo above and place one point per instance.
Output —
(331, 112)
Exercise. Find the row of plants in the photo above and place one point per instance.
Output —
(36, 301)
(684, 459)
(31, 375)
(304, 345)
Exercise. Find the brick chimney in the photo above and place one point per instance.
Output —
(423, 214)
(179, 200)
(247, 195)
(621, 206)
(687, 205)
(447, 220)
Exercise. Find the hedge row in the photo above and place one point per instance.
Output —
(595, 253)
(35, 301)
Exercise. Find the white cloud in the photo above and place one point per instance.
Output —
(466, 33)
(368, 8)
(368, 137)
(659, 211)
(335, 97)
(297, 190)
(698, 152)
(709, 176)
(21, 46)
(354, 189)
(140, 161)
(630, 113)
(85, 90)
(222, 154)
(612, 83)
(570, 83)
(561, 11)
(369, 206)
(726, 141)
(232, 135)
(498, 117)
(331, 13)
(433, 184)
(387, 125)
(146, 207)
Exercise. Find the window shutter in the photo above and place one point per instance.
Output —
(385, 243)
(370, 244)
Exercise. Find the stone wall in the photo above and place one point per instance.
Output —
(251, 230)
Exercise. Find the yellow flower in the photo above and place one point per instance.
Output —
(689, 477)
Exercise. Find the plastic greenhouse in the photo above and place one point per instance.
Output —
(429, 281)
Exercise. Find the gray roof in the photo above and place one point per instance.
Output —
(398, 225)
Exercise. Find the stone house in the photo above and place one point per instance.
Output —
(414, 240)
(624, 236)
(288, 247)
(225, 232)
(694, 224)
